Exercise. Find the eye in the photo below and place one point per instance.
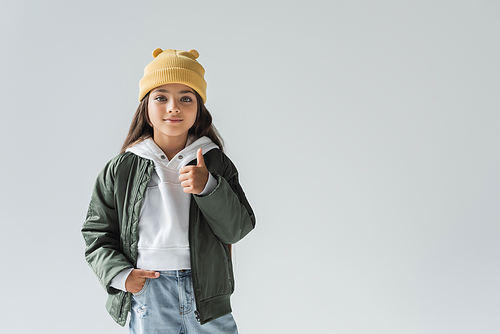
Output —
(186, 99)
(160, 98)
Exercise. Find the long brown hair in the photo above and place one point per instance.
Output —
(141, 127)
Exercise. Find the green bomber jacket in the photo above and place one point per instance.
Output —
(216, 220)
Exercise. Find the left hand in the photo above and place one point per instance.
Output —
(194, 178)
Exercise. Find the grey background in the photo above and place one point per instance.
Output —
(366, 134)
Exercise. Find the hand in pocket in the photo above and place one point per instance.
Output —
(137, 277)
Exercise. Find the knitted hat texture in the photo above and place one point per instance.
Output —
(174, 66)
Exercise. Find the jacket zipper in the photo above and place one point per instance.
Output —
(194, 273)
(129, 225)
(122, 301)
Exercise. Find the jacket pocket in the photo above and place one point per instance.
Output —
(228, 265)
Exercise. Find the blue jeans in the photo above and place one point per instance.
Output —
(166, 305)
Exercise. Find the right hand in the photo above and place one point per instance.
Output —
(137, 277)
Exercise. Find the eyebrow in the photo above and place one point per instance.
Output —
(166, 91)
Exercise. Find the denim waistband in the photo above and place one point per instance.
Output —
(177, 273)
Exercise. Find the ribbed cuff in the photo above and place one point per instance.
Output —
(210, 186)
(118, 282)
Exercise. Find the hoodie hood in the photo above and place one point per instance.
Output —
(148, 149)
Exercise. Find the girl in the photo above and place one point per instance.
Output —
(164, 212)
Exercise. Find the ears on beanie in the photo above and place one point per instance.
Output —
(192, 53)
(174, 66)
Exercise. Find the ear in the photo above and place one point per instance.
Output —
(194, 53)
(156, 52)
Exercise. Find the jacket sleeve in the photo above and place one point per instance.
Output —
(226, 208)
(101, 232)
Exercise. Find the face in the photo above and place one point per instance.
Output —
(172, 110)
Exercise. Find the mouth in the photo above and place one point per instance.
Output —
(173, 120)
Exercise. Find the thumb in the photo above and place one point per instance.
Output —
(149, 274)
(199, 157)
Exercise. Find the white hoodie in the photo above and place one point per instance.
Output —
(164, 218)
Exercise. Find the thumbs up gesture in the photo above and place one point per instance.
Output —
(194, 178)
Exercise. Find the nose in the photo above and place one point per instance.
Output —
(172, 107)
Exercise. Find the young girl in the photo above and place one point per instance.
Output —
(164, 212)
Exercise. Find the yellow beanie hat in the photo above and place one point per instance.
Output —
(174, 66)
